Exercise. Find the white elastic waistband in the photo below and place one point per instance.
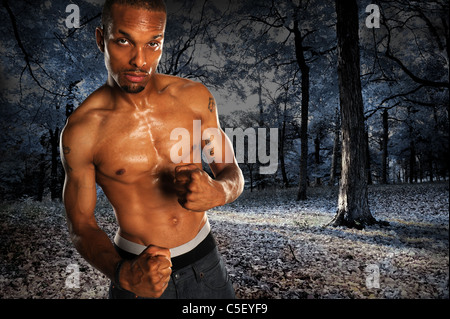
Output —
(136, 249)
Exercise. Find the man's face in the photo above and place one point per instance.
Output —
(133, 43)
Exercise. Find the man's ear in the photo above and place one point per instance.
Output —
(99, 36)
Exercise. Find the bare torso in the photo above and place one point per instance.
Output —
(131, 155)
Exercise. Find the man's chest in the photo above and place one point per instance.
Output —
(143, 143)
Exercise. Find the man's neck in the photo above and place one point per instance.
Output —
(139, 101)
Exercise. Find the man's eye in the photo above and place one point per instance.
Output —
(122, 41)
(153, 44)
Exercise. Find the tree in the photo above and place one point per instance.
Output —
(189, 39)
(294, 40)
(353, 207)
(49, 69)
(405, 68)
(275, 60)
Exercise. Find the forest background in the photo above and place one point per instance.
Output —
(269, 64)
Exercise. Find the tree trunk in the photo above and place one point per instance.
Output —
(334, 160)
(368, 167)
(384, 162)
(430, 166)
(250, 169)
(41, 185)
(54, 141)
(317, 179)
(353, 207)
(261, 122)
(412, 161)
(281, 151)
(303, 180)
(304, 68)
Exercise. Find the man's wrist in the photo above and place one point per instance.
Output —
(223, 191)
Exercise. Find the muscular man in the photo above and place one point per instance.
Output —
(120, 138)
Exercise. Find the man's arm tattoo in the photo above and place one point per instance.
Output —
(211, 105)
(211, 150)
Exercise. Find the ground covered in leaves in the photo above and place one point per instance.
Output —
(274, 247)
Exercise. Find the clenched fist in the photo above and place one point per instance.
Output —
(148, 274)
(196, 190)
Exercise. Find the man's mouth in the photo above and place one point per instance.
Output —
(135, 77)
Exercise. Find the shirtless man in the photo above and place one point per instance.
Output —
(120, 138)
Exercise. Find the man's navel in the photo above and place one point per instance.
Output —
(120, 171)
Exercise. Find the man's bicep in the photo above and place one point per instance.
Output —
(80, 191)
(79, 194)
(75, 148)
(217, 147)
(223, 158)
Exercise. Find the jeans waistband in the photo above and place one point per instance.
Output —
(181, 261)
(200, 250)
(136, 249)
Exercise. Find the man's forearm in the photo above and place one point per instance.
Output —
(232, 181)
(96, 248)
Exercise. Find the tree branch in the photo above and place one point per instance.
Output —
(27, 56)
(414, 77)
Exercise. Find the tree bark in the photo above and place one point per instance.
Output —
(353, 207)
(334, 160)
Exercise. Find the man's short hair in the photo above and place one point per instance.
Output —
(151, 5)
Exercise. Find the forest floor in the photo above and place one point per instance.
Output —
(274, 247)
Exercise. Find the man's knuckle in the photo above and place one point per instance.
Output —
(197, 175)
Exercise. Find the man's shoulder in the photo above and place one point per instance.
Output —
(87, 117)
(190, 94)
(94, 105)
(182, 87)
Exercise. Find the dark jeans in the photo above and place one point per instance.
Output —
(206, 278)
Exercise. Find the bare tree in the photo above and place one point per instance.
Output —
(353, 206)
(304, 54)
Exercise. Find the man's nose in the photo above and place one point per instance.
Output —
(138, 60)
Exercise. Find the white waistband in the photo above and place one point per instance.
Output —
(136, 249)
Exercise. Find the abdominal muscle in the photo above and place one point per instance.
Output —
(152, 219)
